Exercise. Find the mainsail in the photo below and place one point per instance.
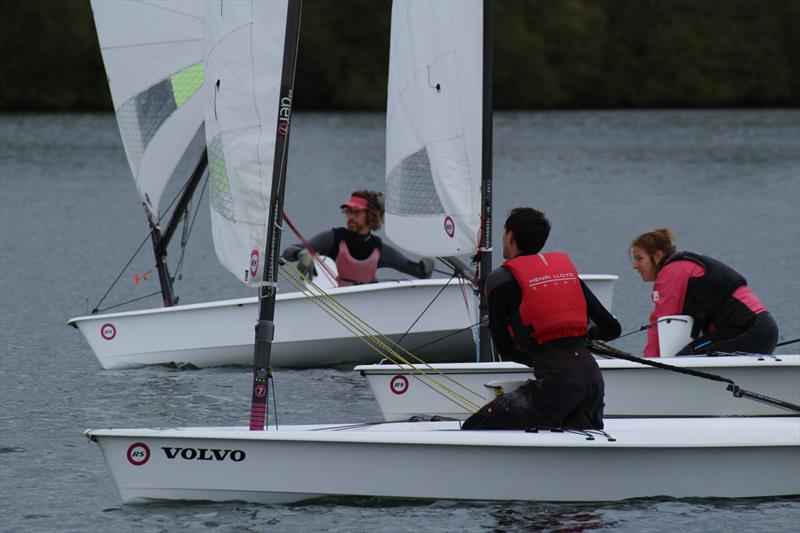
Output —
(153, 54)
(244, 59)
(433, 126)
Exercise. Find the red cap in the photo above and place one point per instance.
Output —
(356, 203)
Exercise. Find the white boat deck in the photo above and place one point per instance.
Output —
(627, 432)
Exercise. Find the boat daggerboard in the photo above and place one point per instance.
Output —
(244, 60)
(433, 126)
(153, 54)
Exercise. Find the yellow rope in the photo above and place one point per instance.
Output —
(375, 340)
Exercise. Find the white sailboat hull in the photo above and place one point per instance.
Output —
(631, 388)
(722, 457)
(221, 333)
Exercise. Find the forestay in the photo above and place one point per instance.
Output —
(433, 127)
(244, 56)
(153, 54)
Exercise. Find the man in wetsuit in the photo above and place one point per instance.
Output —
(357, 252)
(539, 314)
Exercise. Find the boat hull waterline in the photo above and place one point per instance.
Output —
(631, 389)
(221, 333)
(716, 457)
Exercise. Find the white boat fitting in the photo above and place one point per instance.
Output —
(699, 457)
(221, 333)
(632, 389)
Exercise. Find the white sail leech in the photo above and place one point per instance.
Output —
(433, 127)
(153, 56)
(241, 101)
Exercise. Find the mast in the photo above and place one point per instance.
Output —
(186, 197)
(160, 252)
(265, 327)
(161, 240)
(485, 247)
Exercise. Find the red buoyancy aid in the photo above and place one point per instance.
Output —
(553, 305)
(352, 270)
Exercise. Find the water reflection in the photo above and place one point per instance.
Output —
(553, 519)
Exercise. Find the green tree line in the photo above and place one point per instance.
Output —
(547, 54)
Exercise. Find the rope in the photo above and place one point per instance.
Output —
(126, 302)
(114, 283)
(644, 327)
(375, 340)
(377, 343)
(738, 392)
(383, 345)
(784, 343)
(307, 245)
(426, 308)
(418, 348)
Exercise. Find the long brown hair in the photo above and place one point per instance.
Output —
(374, 207)
(657, 240)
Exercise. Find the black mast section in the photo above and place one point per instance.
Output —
(265, 327)
(161, 240)
(485, 246)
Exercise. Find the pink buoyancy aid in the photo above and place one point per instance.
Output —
(352, 270)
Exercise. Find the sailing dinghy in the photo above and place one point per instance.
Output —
(154, 58)
(697, 457)
(406, 391)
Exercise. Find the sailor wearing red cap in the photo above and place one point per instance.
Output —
(358, 253)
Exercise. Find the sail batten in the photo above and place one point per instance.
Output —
(433, 127)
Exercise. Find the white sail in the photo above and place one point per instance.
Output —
(433, 126)
(153, 54)
(244, 58)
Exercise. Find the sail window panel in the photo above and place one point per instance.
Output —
(140, 118)
(410, 188)
(219, 185)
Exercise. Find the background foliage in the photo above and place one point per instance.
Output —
(548, 54)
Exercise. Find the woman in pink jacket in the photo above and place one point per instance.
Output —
(728, 316)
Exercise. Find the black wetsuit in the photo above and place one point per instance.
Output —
(568, 390)
(360, 247)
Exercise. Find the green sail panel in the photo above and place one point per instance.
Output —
(187, 82)
(141, 116)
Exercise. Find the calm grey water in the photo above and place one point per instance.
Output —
(728, 183)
